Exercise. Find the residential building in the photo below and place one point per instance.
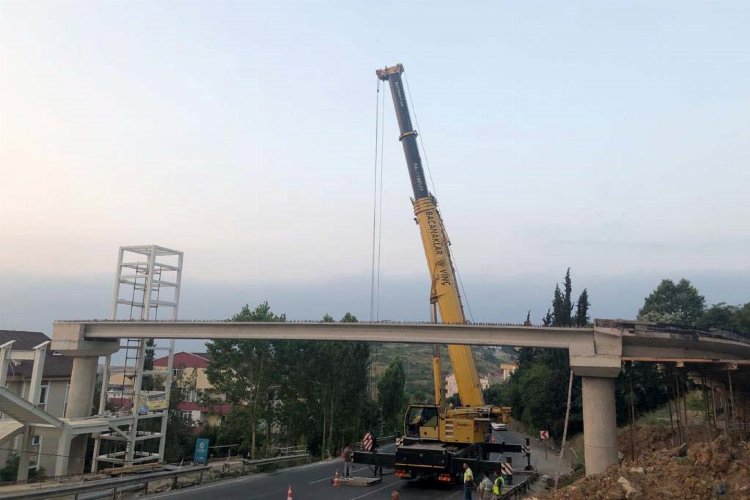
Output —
(190, 369)
(53, 396)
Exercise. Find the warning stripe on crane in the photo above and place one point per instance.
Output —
(526, 450)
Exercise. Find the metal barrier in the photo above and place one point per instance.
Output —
(516, 490)
(113, 485)
(274, 460)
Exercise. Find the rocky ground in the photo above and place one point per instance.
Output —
(716, 468)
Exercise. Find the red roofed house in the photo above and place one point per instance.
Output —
(191, 367)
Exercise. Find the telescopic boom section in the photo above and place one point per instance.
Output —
(436, 244)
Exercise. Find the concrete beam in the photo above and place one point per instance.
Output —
(68, 339)
(600, 358)
(426, 333)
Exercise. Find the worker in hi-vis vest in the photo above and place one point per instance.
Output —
(497, 486)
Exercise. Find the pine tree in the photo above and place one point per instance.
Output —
(582, 309)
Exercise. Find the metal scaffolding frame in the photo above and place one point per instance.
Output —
(147, 282)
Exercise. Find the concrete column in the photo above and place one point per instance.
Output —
(62, 461)
(25, 456)
(80, 400)
(599, 423)
(82, 380)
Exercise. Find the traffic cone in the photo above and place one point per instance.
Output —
(289, 494)
(336, 479)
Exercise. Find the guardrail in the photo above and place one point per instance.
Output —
(110, 485)
(517, 489)
(274, 460)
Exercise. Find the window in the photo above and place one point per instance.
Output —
(65, 403)
(176, 372)
(187, 416)
(192, 396)
(36, 441)
(43, 393)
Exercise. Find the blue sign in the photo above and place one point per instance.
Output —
(201, 451)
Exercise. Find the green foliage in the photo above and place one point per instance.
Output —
(495, 395)
(645, 384)
(349, 318)
(244, 370)
(538, 390)
(725, 317)
(291, 392)
(679, 303)
(391, 396)
(9, 473)
(180, 440)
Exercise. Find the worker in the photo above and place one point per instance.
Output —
(468, 481)
(497, 486)
(347, 454)
(485, 488)
(375, 446)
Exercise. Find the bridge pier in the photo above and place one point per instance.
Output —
(70, 341)
(599, 423)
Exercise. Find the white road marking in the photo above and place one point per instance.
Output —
(389, 485)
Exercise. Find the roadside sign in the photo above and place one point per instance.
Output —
(544, 435)
(201, 451)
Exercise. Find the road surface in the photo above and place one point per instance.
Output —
(313, 482)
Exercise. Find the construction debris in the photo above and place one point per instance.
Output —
(714, 469)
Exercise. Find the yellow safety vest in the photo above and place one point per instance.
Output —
(468, 475)
(497, 488)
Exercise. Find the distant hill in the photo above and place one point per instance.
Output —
(417, 359)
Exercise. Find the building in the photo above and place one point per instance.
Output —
(53, 396)
(499, 377)
(190, 369)
(506, 370)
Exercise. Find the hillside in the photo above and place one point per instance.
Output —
(417, 361)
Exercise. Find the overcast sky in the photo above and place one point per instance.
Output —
(609, 137)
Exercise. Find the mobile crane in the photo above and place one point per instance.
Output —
(438, 439)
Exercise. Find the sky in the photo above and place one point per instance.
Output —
(608, 137)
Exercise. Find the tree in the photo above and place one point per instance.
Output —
(679, 303)
(349, 318)
(180, 440)
(537, 391)
(582, 309)
(725, 317)
(391, 395)
(243, 370)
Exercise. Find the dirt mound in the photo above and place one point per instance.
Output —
(715, 469)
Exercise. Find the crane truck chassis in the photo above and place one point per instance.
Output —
(438, 439)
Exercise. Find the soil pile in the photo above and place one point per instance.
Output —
(714, 469)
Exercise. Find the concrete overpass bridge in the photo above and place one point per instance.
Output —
(596, 353)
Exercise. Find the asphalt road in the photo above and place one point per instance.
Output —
(313, 482)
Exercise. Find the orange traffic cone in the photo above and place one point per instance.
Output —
(289, 494)
(336, 479)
